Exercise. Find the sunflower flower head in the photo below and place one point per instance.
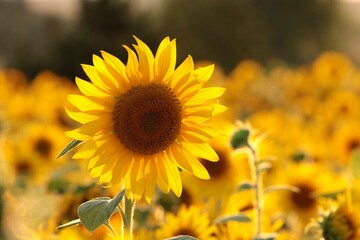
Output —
(340, 222)
(143, 120)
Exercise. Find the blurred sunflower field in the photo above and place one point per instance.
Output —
(243, 149)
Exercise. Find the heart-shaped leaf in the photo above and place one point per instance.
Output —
(97, 211)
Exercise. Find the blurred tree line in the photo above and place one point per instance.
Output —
(224, 32)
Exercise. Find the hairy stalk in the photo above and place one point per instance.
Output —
(112, 230)
(256, 176)
(128, 217)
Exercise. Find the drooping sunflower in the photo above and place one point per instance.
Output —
(339, 222)
(144, 120)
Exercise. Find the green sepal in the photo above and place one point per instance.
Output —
(240, 217)
(240, 138)
(69, 147)
(97, 211)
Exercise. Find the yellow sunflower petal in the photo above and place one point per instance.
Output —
(122, 166)
(150, 177)
(96, 172)
(137, 179)
(182, 74)
(165, 59)
(204, 95)
(75, 134)
(132, 66)
(83, 103)
(218, 109)
(117, 69)
(162, 179)
(82, 117)
(196, 167)
(106, 77)
(146, 60)
(93, 75)
(86, 150)
(173, 176)
(192, 137)
(203, 151)
(89, 89)
(203, 74)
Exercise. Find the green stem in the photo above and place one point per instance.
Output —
(112, 230)
(129, 207)
(257, 191)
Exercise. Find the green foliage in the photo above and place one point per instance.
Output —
(69, 147)
(97, 211)
(240, 217)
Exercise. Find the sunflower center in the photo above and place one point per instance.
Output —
(43, 147)
(351, 226)
(219, 168)
(303, 199)
(147, 119)
(353, 144)
(23, 167)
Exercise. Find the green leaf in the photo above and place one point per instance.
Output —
(240, 217)
(265, 236)
(69, 224)
(182, 237)
(245, 186)
(355, 163)
(68, 147)
(97, 211)
(281, 188)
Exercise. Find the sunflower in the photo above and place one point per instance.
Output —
(345, 141)
(188, 221)
(144, 120)
(313, 181)
(39, 144)
(340, 223)
(242, 202)
(331, 69)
